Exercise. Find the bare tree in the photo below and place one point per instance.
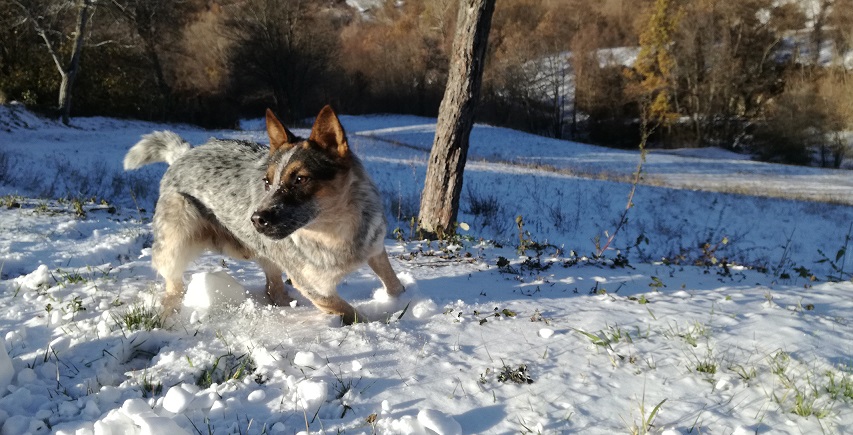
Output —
(156, 23)
(45, 18)
(284, 48)
(820, 15)
(841, 20)
(727, 65)
(443, 186)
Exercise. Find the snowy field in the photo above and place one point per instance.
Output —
(709, 313)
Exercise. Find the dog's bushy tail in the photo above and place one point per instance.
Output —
(160, 146)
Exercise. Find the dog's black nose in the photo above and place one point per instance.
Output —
(260, 219)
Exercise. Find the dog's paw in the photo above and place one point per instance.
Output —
(356, 316)
(171, 304)
(280, 298)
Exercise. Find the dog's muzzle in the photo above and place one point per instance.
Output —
(261, 220)
(266, 223)
(277, 223)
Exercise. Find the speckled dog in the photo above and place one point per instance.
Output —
(303, 206)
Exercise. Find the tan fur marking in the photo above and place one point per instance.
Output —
(275, 285)
(329, 133)
(272, 170)
(336, 305)
(280, 137)
(337, 221)
(334, 189)
(293, 169)
(221, 240)
(382, 267)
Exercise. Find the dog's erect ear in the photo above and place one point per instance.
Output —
(279, 135)
(329, 133)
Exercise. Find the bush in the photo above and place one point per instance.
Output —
(804, 123)
(794, 125)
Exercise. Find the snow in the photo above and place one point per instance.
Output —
(213, 290)
(35, 279)
(177, 399)
(720, 303)
(307, 359)
(439, 422)
(7, 370)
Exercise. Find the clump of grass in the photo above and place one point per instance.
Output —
(779, 362)
(801, 395)
(708, 366)
(606, 338)
(506, 312)
(344, 388)
(690, 335)
(11, 201)
(805, 405)
(77, 205)
(66, 277)
(526, 242)
(485, 206)
(507, 373)
(140, 317)
(839, 387)
(225, 368)
(745, 374)
(646, 423)
(518, 375)
(74, 306)
(838, 264)
(42, 208)
(149, 387)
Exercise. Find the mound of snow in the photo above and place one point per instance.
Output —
(213, 290)
(439, 422)
(35, 279)
(311, 395)
(15, 116)
(177, 399)
(136, 417)
(308, 359)
(383, 307)
(7, 371)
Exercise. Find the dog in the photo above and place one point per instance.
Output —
(305, 207)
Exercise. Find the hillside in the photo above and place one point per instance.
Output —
(712, 313)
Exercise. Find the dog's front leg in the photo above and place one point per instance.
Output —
(324, 296)
(174, 296)
(336, 305)
(382, 267)
(275, 285)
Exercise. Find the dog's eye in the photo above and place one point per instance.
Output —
(300, 179)
(266, 183)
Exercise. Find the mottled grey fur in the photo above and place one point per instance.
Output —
(210, 193)
(160, 146)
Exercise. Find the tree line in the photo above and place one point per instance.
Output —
(764, 76)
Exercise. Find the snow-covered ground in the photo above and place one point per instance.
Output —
(711, 312)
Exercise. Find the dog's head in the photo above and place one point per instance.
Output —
(304, 176)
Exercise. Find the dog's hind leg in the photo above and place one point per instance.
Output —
(177, 226)
(382, 267)
(275, 285)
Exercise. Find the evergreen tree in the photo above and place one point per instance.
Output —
(654, 70)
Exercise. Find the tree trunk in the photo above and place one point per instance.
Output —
(70, 73)
(159, 76)
(443, 185)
